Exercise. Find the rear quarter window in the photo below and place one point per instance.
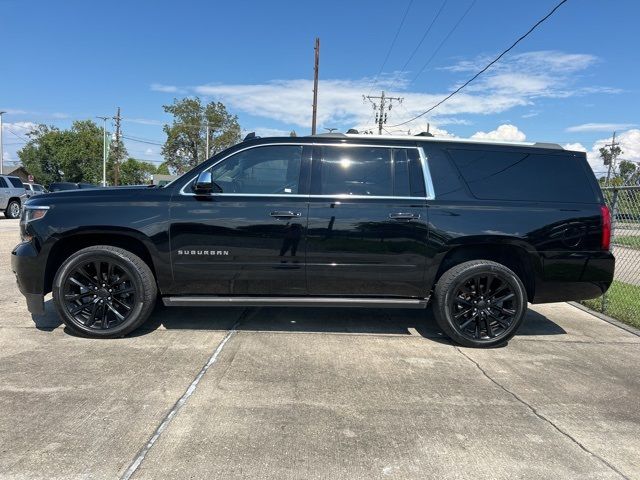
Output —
(16, 182)
(524, 175)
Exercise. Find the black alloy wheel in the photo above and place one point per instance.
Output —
(99, 294)
(483, 306)
(104, 291)
(480, 303)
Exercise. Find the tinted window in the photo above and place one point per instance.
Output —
(513, 175)
(16, 182)
(38, 188)
(266, 170)
(408, 180)
(446, 179)
(3, 184)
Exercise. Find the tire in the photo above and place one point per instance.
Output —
(13, 210)
(104, 292)
(479, 303)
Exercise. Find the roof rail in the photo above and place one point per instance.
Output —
(329, 135)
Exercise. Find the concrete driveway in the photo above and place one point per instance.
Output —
(314, 393)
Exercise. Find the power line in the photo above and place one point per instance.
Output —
(444, 40)
(415, 50)
(393, 43)
(485, 68)
(17, 135)
(141, 140)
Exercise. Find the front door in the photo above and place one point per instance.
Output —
(367, 230)
(248, 239)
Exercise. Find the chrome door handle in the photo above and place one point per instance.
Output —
(287, 214)
(404, 216)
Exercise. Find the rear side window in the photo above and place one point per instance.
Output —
(368, 171)
(3, 184)
(16, 182)
(520, 175)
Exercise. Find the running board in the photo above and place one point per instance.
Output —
(195, 301)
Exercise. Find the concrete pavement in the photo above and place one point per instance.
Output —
(314, 393)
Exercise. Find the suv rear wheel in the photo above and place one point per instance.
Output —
(104, 292)
(13, 209)
(479, 303)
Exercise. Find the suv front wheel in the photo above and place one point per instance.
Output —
(13, 209)
(104, 292)
(479, 303)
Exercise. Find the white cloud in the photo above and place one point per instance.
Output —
(159, 87)
(576, 147)
(629, 144)
(149, 151)
(143, 121)
(505, 132)
(600, 127)
(516, 81)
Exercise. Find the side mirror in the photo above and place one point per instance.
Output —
(204, 184)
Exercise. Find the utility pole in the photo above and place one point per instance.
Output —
(104, 150)
(612, 147)
(315, 86)
(1, 146)
(381, 114)
(206, 155)
(118, 150)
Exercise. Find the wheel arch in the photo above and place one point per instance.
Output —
(70, 244)
(513, 256)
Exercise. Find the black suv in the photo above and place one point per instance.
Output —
(479, 229)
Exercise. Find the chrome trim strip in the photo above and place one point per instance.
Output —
(426, 173)
(196, 301)
(430, 193)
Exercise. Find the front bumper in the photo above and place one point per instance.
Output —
(26, 264)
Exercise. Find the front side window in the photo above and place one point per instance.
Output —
(3, 184)
(262, 170)
(368, 171)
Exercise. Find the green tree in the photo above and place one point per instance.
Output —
(607, 154)
(186, 136)
(136, 172)
(73, 155)
(163, 169)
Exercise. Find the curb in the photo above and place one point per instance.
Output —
(607, 318)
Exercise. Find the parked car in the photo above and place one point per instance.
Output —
(60, 186)
(12, 195)
(477, 229)
(34, 189)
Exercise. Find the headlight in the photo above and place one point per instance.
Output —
(34, 212)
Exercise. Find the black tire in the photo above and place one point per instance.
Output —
(104, 292)
(479, 313)
(13, 209)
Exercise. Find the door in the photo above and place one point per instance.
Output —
(367, 229)
(248, 239)
(4, 193)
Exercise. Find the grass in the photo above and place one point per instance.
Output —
(628, 241)
(623, 303)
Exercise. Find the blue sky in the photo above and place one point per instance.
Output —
(572, 81)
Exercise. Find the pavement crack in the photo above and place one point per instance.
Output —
(164, 423)
(541, 416)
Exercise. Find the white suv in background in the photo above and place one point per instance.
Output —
(12, 196)
(34, 189)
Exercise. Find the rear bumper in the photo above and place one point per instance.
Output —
(26, 264)
(575, 277)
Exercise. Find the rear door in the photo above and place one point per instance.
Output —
(4, 193)
(249, 239)
(367, 229)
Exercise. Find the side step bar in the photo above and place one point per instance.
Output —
(201, 301)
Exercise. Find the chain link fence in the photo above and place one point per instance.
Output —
(622, 300)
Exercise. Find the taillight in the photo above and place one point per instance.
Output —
(605, 242)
